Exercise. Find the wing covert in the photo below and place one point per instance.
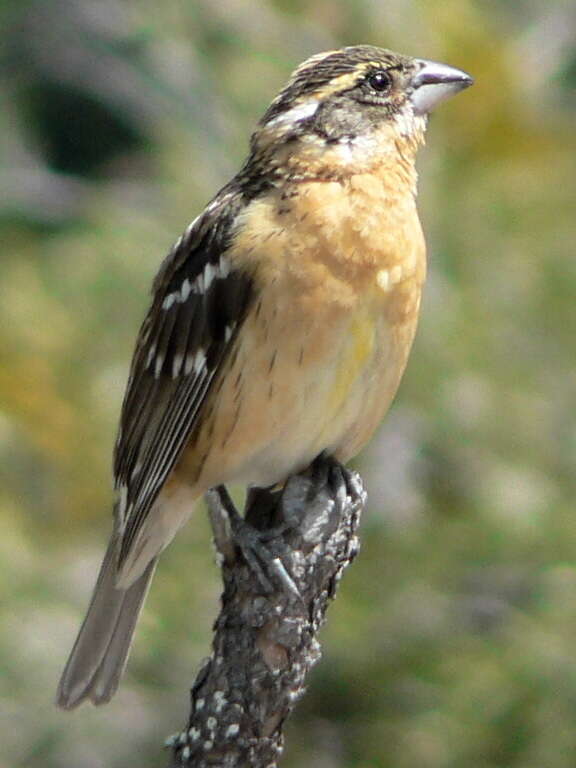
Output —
(199, 304)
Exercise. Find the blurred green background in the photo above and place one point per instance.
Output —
(453, 639)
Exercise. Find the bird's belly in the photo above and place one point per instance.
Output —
(293, 392)
(318, 359)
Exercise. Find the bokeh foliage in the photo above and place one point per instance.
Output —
(453, 641)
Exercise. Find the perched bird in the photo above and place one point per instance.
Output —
(280, 324)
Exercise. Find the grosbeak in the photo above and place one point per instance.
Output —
(280, 324)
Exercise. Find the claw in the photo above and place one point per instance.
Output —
(251, 542)
(301, 506)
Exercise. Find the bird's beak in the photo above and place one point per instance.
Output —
(434, 82)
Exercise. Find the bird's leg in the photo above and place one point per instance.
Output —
(274, 511)
(220, 510)
(278, 520)
(232, 530)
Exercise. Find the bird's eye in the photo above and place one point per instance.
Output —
(379, 81)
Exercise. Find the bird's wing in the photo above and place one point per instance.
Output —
(199, 304)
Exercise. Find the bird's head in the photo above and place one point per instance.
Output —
(343, 109)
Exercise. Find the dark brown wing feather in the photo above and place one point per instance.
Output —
(199, 304)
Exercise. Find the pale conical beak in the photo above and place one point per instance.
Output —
(435, 82)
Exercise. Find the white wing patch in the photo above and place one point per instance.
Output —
(195, 362)
(200, 285)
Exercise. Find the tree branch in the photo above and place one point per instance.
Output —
(265, 638)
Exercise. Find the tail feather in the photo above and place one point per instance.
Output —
(99, 655)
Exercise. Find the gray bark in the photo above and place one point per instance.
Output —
(273, 604)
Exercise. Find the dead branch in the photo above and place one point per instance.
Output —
(273, 604)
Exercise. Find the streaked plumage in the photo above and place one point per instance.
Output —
(280, 325)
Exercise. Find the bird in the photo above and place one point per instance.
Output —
(280, 323)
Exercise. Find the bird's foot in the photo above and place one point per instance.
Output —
(280, 521)
(257, 546)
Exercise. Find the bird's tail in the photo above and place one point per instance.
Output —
(99, 655)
